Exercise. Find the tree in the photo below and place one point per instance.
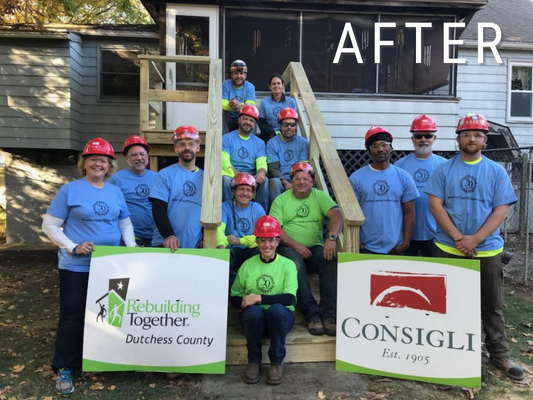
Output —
(41, 12)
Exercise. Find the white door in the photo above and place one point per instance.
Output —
(191, 31)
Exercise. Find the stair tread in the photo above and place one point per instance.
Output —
(297, 335)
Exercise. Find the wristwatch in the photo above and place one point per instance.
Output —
(331, 237)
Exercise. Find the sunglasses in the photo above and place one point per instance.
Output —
(423, 135)
(286, 124)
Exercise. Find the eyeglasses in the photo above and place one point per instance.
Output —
(382, 145)
(423, 135)
(187, 143)
(469, 135)
(142, 154)
(302, 179)
(267, 240)
(287, 124)
(95, 160)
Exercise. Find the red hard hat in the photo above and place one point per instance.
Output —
(376, 130)
(267, 226)
(286, 113)
(251, 110)
(244, 178)
(185, 132)
(423, 123)
(302, 166)
(98, 146)
(472, 122)
(134, 140)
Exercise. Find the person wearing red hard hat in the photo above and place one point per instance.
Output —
(420, 165)
(302, 211)
(176, 195)
(238, 220)
(283, 151)
(135, 182)
(91, 212)
(387, 196)
(270, 107)
(236, 93)
(242, 151)
(469, 196)
(265, 292)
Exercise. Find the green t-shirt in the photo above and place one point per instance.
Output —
(302, 219)
(257, 277)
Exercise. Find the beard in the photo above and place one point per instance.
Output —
(423, 150)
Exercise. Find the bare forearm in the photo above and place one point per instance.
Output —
(443, 219)
(492, 223)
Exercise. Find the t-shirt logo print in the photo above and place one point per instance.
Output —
(468, 183)
(265, 283)
(381, 188)
(244, 225)
(142, 190)
(288, 155)
(243, 153)
(421, 175)
(303, 211)
(275, 112)
(189, 189)
(100, 208)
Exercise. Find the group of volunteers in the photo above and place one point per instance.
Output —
(422, 205)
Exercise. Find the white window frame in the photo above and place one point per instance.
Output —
(509, 91)
(136, 49)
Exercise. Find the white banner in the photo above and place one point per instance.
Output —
(410, 317)
(152, 310)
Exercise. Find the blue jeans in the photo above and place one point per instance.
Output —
(326, 270)
(69, 340)
(276, 188)
(261, 195)
(277, 321)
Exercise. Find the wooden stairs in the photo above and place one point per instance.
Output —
(301, 345)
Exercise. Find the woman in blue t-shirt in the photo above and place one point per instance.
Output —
(91, 213)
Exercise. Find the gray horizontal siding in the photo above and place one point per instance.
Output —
(483, 88)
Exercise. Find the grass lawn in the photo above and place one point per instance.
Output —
(28, 319)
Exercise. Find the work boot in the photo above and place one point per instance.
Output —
(330, 326)
(252, 373)
(275, 374)
(315, 327)
(508, 367)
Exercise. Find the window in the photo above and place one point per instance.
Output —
(268, 40)
(398, 71)
(521, 92)
(119, 77)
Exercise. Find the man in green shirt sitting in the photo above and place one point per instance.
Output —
(301, 211)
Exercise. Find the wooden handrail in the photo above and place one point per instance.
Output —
(322, 148)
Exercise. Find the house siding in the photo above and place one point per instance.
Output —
(483, 88)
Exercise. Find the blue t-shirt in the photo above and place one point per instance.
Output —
(182, 190)
(381, 194)
(243, 94)
(421, 169)
(241, 221)
(287, 153)
(91, 214)
(243, 153)
(136, 189)
(269, 109)
(469, 193)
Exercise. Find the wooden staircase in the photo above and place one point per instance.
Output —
(301, 345)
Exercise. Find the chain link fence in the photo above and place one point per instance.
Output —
(517, 227)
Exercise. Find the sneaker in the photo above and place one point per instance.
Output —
(275, 374)
(330, 326)
(315, 326)
(508, 367)
(64, 383)
(252, 373)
